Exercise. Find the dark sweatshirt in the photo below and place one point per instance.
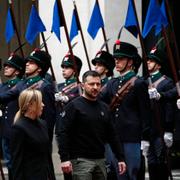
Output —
(84, 129)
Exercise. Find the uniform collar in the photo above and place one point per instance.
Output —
(127, 76)
(155, 76)
(13, 82)
(33, 80)
(70, 81)
(104, 81)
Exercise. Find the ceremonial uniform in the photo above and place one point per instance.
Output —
(130, 115)
(133, 108)
(162, 122)
(69, 89)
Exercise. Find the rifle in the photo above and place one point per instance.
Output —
(121, 93)
(15, 27)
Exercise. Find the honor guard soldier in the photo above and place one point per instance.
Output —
(14, 69)
(37, 64)
(162, 121)
(69, 89)
(128, 99)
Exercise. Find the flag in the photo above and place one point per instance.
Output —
(56, 22)
(74, 26)
(35, 25)
(151, 17)
(131, 23)
(9, 33)
(96, 21)
(162, 19)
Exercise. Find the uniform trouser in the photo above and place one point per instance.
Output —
(111, 164)
(132, 154)
(157, 160)
(89, 169)
(6, 151)
(7, 155)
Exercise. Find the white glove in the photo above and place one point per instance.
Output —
(178, 103)
(168, 139)
(145, 147)
(153, 93)
(60, 97)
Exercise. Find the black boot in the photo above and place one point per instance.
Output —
(163, 171)
(153, 172)
(10, 174)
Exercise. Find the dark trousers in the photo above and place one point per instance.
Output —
(141, 172)
(157, 160)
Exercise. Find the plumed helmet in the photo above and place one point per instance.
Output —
(42, 59)
(106, 59)
(68, 62)
(157, 55)
(124, 49)
(17, 62)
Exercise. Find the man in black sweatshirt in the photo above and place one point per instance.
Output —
(86, 126)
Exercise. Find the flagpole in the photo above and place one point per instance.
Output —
(15, 26)
(173, 32)
(46, 49)
(144, 55)
(175, 44)
(82, 36)
(62, 17)
(104, 33)
(171, 58)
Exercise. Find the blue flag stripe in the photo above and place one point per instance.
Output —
(96, 21)
(56, 24)
(9, 31)
(35, 26)
(74, 26)
(151, 17)
(131, 23)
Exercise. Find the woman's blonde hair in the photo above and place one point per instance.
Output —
(26, 97)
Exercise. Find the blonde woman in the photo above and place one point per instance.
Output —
(31, 156)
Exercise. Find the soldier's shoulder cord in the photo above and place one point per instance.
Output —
(121, 92)
(69, 87)
(36, 85)
(155, 84)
